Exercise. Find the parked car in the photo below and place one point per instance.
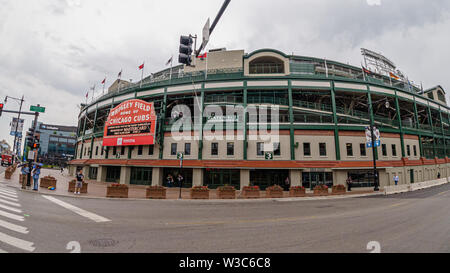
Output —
(6, 160)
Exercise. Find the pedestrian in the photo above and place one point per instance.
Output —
(439, 175)
(25, 171)
(62, 169)
(287, 184)
(349, 183)
(396, 180)
(169, 181)
(180, 179)
(36, 174)
(79, 182)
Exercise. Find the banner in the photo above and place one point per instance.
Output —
(131, 123)
(19, 126)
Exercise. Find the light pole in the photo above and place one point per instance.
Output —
(372, 134)
(15, 146)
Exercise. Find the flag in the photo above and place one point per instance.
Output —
(141, 67)
(103, 82)
(169, 61)
(203, 56)
(367, 71)
(120, 74)
(393, 76)
(87, 94)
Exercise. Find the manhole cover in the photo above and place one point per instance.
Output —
(103, 242)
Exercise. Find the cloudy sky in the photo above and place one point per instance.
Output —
(52, 51)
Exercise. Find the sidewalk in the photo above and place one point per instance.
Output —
(98, 189)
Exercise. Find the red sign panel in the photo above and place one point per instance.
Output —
(131, 123)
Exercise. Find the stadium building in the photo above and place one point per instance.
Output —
(324, 108)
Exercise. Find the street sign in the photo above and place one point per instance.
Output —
(206, 33)
(37, 109)
(180, 156)
(30, 155)
(269, 156)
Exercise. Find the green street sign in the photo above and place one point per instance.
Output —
(37, 109)
(269, 156)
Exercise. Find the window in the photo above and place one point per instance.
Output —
(102, 150)
(277, 149)
(151, 149)
(394, 150)
(122, 150)
(307, 149)
(187, 148)
(215, 148)
(415, 150)
(230, 148)
(349, 149)
(384, 149)
(408, 150)
(323, 149)
(173, 149)
(266, 65)
(362, 149)
(115, 150)
(259, 148)
(140, 149)
(96, 150)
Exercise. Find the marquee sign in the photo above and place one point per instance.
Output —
(131, 123)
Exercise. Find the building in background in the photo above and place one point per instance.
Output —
(57, 143)
(5, 147)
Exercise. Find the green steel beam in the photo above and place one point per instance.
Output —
(372, 120)
(430, 121)
(200, 130)
(162, 122)
(335, 119)
(245, 122)
(291, 120)
(402, 135)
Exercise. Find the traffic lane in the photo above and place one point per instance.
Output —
(160, 226)
(51, 226)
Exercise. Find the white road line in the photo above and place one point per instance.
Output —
(7, 191)
(10, 203)
(12, 216)
(84, 213)
(8, 194)
(8, 198)
(10, 209)
(13, 227)
(16, 242)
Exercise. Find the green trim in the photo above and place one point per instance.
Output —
(245, 122)
(291, 120)
(372, 119)
(162, 121)
(399, 118)
(200, 130)
(247, 56)
(430, 121)
(336, 130)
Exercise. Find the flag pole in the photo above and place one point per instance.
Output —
(142, 75)
(171, 65)
(326, 67)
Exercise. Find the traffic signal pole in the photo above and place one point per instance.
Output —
(30, 160)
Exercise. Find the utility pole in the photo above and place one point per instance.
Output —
(15, 146)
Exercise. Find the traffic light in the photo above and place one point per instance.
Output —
(185, 50)
(30, 138)
(1, 108)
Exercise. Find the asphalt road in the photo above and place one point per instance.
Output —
(412, 222)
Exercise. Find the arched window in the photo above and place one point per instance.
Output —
(267, 65)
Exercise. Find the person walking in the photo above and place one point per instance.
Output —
(396, 180)
(25, 171)
(180, 179)
(287, 184)
(439, 175)
(349, 183)
(169, 181)
(79, 182)
(36, 173)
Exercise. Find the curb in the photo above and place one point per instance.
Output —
(209, 201)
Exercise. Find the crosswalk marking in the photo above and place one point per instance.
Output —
(10, 203)
(82, 212)
(7, 191)
(10, 208)
(16, 242)
(9, 198)
(8, 194)
(12, 216)
(13, 227)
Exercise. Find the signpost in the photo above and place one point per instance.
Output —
(180, 156)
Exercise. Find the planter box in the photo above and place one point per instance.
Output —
(117, 192)
(8, 174)
(274, 192)
(199, 194)
(226, 193)
(339, 189)
(155, 193)
(84, 189)
(320, 191)
(251, 193)
(297, 192)
(47, 182)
